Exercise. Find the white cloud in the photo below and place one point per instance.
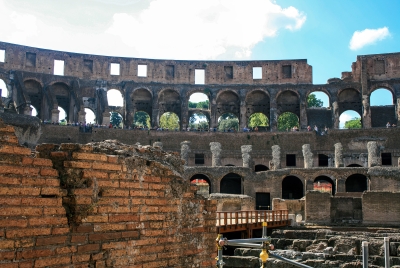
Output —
(367, 37)
(203, 29)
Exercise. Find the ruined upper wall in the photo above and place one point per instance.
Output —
(94, 67)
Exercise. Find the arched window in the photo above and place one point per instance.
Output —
(324, 184)
(356, 183)
(3, 87)
(383, 112)
(199, 101)
(228, 123)
(288, 122)
(141, 120)
(203, 183)
(169, 121)
(258, 122)
(90, 116)
(317, 99)
(350, 120)
(292, 188)
(114, 98)
(198, 122)
(260, 167)
(62, 116)
(231, 184)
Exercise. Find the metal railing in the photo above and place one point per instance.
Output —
(225, 218)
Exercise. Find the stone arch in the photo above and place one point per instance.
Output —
(142, 100)
(199, 112)
(354, 165)
(228, 101)
(231, 183)
(356, 183)
(383, 85)
(323, 90)
(141, 119)
(198, 91)
(346, 114)
(349, 99)
(115, 97)
(34, 90)
(3, 87)
(62, 94)
(288, 101)
(292, 188)
(200, 179)
(169, 100)
(260, 167)
(257, 101)
(321, 184)
(88, 116)
(382, 109)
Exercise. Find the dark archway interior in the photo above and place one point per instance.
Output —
(292, 188)
(201, 179)
(354, 165)
(231, 184)
(356, 183)
(258, 168)
(325, 179)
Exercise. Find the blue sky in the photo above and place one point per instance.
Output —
(320, 31)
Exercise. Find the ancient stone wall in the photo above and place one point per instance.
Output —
(99, 205)
(381, 208)
(318, 207)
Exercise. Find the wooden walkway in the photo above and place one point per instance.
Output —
(250, 220)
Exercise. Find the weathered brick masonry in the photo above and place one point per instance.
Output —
(99, 205)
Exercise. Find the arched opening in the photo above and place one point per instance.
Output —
(323, 160)
(90, 117)
(318, 99)
(3, 87)
(198, 122)
(34, 91)
(141, 120)
(169, 121)
(231, 184)
(228, 123)
(62, 93)
(229, 165)
(288, 121)
(258, 122)
(169, 101)
(350, 119)
(114, 98)
(142, 101)
(34, 111)
(356, 183)
(354, 165)
(383, 112)
(203, 183)
(62, 116)
(116, 120)
(349, 99)
(259, 167)
(227, 103)
(324, 184)
(199, 101)
(292, 188)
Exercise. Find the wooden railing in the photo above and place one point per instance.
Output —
(227, 218)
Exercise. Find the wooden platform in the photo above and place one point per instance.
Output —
(250, 220)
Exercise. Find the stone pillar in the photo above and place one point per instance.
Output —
(55, 114)
(308, 156)
(335, 108)
(215, 148)
(374, 154)
(309, 185)
(366, 112)
(338, 155)
(28, 110)
(185, 150)
(246, 150)
(106, 118)
(275, 163)
(82, 115)
(303, 122)
(340, 185)
(398, 111)
(158, 144)
(273, 119)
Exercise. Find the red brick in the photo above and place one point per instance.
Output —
(115, 192)
(107, 166)
(81, 258)
(27, 232)
(151, 179)
(88, 248)
(4, 244)
(33, 181)
(86, 191)
(7, 255)
(76, 164)
(54, 211)
(130, 234)
(48, 221)
(31, 254)
(11, 201)
(66, 250)
(48, 172)
(22, 150)
(54, 240)
(88, 156)
(95, 174)
(109, 227)
(10, 180)
(19, 191)
(123, 218)
(20, 211)
(42, 162)
(60, 230)
(48, 262)
(22, 223)
(78, 238)
(112, 159)
(104, 236)
(27, 161)
(18, 170)
(156, 202)
(83, 229)
(58, 154)
(109, 183)
(52, 191)
(41, 201)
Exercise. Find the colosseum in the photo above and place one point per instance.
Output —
(146, 198)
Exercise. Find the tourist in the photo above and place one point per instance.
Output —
(316, 129)
(388, 125)
(308, 128)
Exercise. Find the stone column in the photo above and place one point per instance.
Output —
(308, 156)
(273, 120)
(275, 163)
(303, 122)
(106, 118)
(185, 150)
(215, 148)
(335, 108)
(398, 111)
(340, 185)
(374, 154)
(247, 161)
(82, 115)
(366, 112)
(338, 155)
(158, 144)
(55, 114)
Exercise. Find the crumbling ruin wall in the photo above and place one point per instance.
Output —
(99, 205)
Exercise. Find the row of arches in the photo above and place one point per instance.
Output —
(292, 187)
(210, 107)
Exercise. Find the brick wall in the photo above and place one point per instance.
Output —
(381, 208)
(99, 205)
(318, 207)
